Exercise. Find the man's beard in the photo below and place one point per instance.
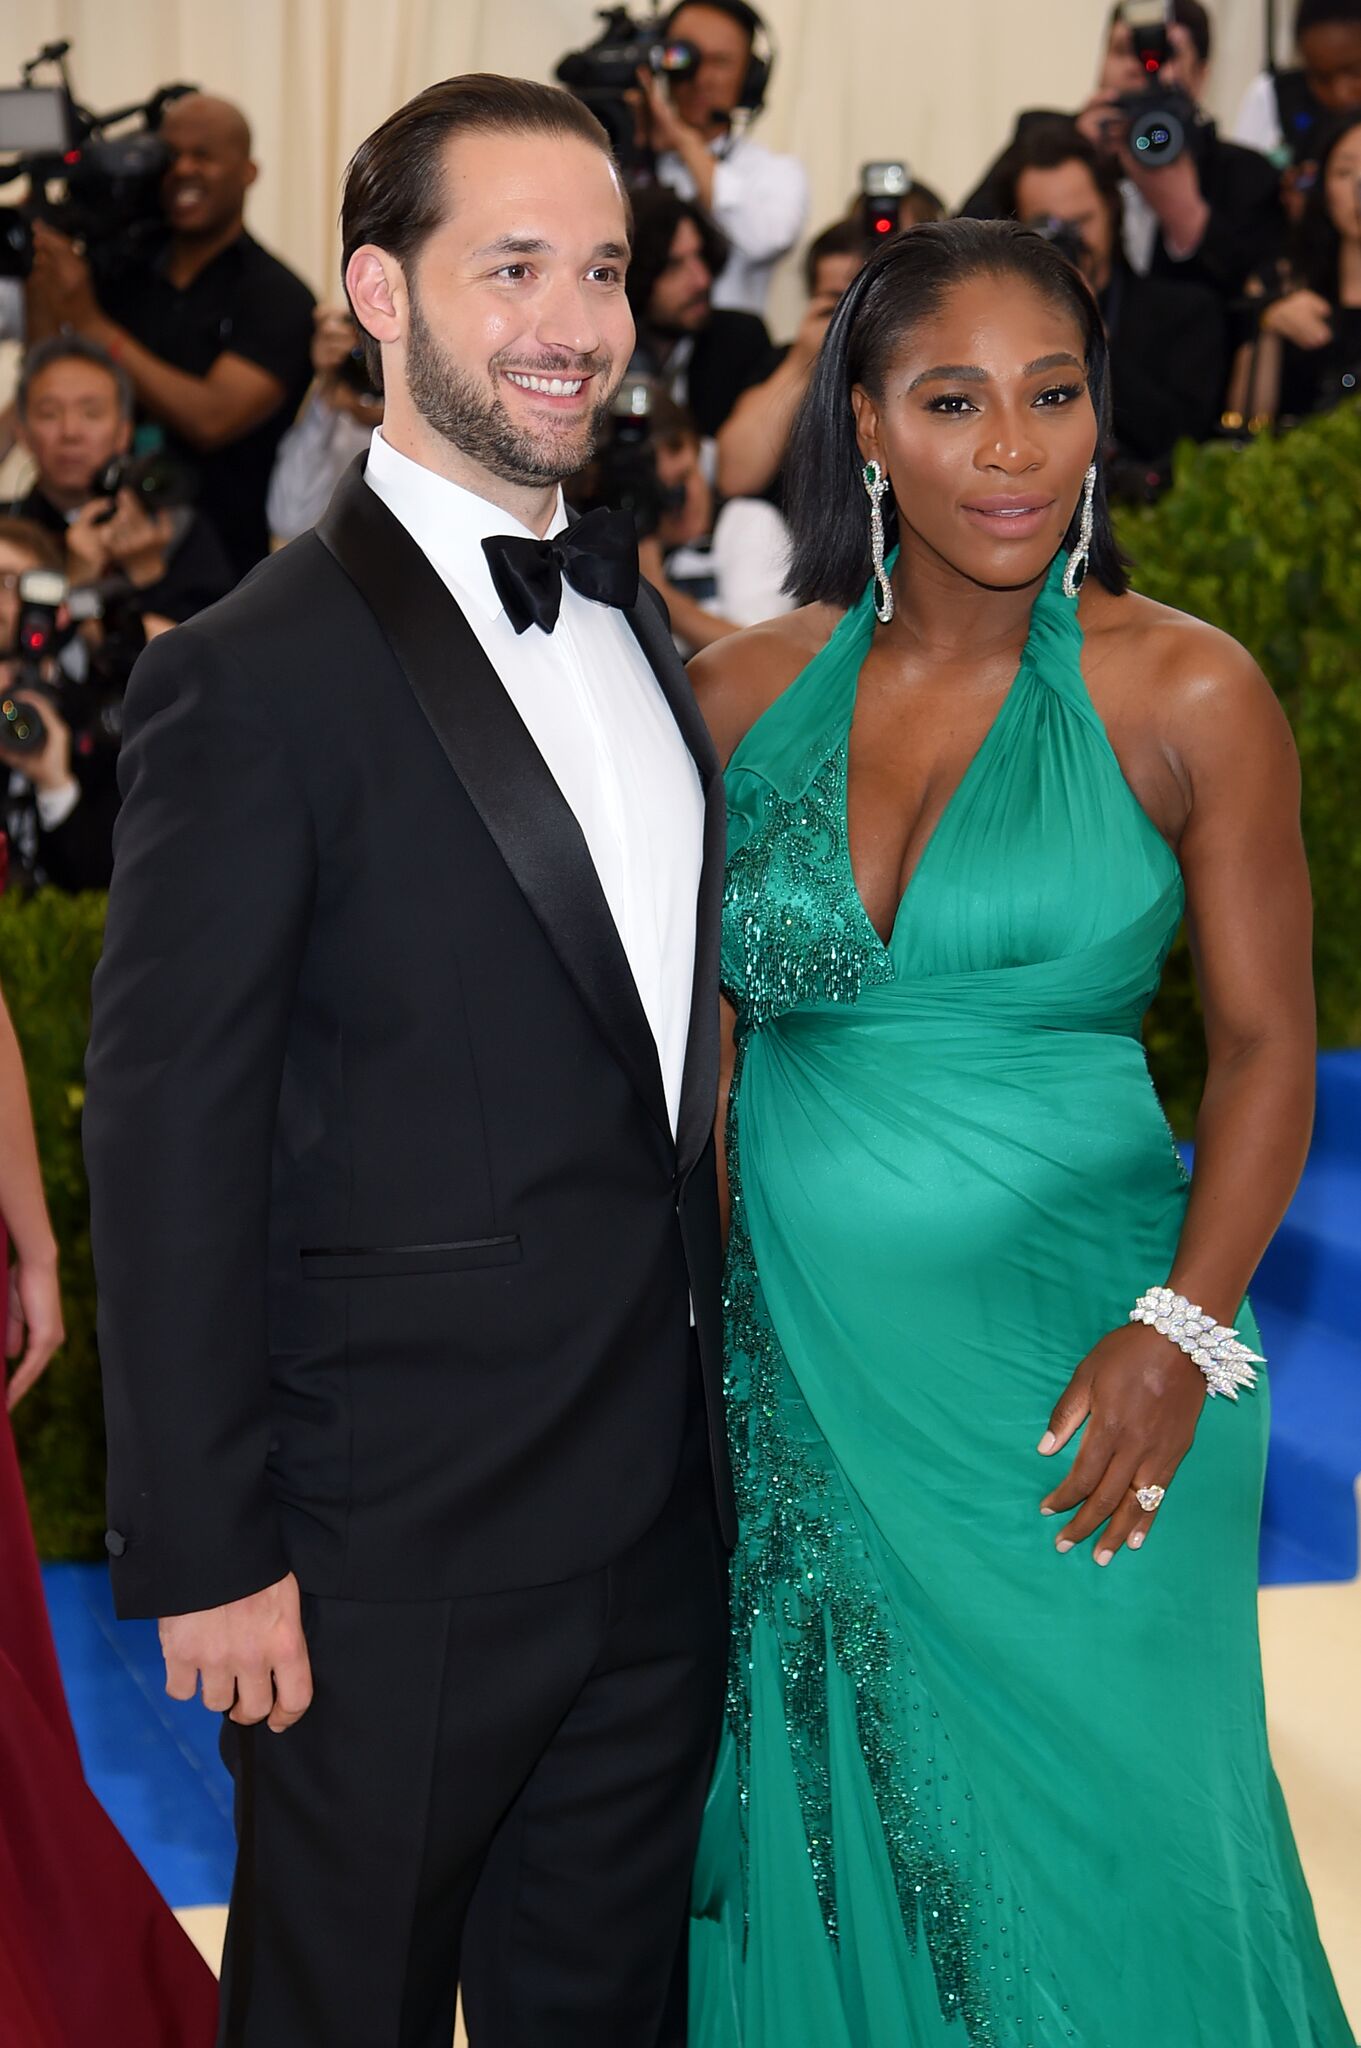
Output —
(451, 402)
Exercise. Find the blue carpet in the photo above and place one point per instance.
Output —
(151, 1763)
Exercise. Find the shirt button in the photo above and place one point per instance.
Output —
(114, 1543)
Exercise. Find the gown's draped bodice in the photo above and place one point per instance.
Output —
(972, 1792)
(1045, 897)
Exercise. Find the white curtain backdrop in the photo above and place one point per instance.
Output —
(937, 84)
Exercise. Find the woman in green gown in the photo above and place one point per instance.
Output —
(991, 1778)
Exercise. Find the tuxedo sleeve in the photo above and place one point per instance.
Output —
(209, 912)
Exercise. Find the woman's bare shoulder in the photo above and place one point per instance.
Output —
(737, 678)
(1178, 658)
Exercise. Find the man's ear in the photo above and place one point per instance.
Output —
(377, 290)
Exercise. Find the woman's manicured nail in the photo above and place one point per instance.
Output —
(1104, 1556)
(1136, 1539)
(1047, 1442)
(1063, 1544)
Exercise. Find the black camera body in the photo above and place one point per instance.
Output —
(1161, 119)
(156, 480)
(623, 471)
(111, 184)
(604, 75)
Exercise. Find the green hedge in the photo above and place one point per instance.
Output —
(1261, 541)
(48, 949)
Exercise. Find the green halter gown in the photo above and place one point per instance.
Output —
(972, 1794)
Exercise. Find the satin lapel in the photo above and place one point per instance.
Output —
(699, 1087)
(506, 778)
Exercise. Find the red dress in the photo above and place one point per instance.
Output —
(90, 1954)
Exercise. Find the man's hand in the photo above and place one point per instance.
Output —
(61, 281)
(803, 350)
(666, 130)
(251, 1655)
(138, 540)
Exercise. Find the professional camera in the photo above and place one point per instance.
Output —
(623, 471)
(1065, 235)
(604, 76)
(1160, 117)
(88, 691)
(156, 480)
(110, 185)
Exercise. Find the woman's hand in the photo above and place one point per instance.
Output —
(1303, 317)
(1140, 1398)
(35, 1309)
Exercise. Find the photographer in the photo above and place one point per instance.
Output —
(1213, 215)
(62, 796)
(752, 441)
(213, 331)
(1312, 333)
(714, 575)
(1283, 111)
(703, 358)
(697, 127)
(337, 419)
(1169, 346)
(74, 408)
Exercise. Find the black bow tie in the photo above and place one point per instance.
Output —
(598, 556)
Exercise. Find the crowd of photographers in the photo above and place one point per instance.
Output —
(184, 405)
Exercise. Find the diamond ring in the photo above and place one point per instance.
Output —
(1149, 1497)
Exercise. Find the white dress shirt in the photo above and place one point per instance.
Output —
(597, 714)
(761, 203)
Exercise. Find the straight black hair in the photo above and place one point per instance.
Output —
(1317, 248)
(904, 282)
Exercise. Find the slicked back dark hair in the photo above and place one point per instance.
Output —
(1043, 146)
(394, 192)
(904, 282)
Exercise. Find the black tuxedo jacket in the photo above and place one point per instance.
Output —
(394, 1245)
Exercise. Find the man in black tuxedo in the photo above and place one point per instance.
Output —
(399, 1123)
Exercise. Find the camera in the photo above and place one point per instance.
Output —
(1160, 117)
(604, 76)
(110, 185)
(883, 187)
(88, 695)
(1065, 236)
(623, 471)
(158, 483)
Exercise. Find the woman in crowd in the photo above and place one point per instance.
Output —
(992, 1777)
(90, 1956)
(1317, 322)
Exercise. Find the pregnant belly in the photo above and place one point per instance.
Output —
(1033, 1179)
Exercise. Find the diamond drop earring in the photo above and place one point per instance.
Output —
(1075, 574)
(876, 483)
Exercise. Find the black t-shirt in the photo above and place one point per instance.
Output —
(246, 303)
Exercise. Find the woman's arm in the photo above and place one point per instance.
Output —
(1249, 913)
(34, 1297)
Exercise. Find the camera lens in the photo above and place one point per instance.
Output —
(1157, 137)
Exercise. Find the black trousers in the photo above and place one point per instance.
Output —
(504, 1790)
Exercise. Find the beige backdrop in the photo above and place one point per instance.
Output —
(937, 84)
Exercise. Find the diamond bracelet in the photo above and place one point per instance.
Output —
(1226, 1364)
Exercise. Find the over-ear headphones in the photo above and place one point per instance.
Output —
(760, 64)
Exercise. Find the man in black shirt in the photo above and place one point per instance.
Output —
(1211, 218)
(74, 409)
(214, 332)
(705, 358)
(1168, 342)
